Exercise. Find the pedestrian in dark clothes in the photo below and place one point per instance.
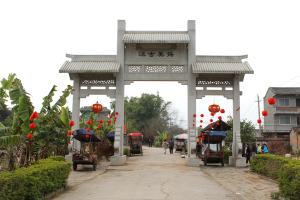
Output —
(248, 154)
(171, 146)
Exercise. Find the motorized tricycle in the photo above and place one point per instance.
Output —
(88, 151)
(135, 143)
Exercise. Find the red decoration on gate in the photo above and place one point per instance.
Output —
(201, 121)
(69, 133)
(214, 108)
(202, 115)
(211, 120)
(222, 111)
(271, 101)
(220, 117)
(33, 116)
(259, 121)
(89, 122)
(194, 115)
(29, 136)
(32, 125)
(97, 107)
(264, 113)
(71, 123)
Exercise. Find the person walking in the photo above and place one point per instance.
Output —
(165, 146)
(248, 153)
(171, 146)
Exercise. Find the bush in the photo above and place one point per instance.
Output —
(35, 181)
(227, 153)
(285, 170)
(289, 181)
(126, 151)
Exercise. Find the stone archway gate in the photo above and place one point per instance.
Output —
(158, 56)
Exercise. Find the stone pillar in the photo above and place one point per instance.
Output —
(119, 158)
(191, 145)
(237, 159)
(76, 108)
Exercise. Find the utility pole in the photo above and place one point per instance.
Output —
(258, 106)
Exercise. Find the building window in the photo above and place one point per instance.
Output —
(283, 102)
(297, 102)
(284, 119)
(298, 120)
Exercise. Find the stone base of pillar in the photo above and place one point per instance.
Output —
(237, 162)
(69, 157)
(117, 160)
(192, 162)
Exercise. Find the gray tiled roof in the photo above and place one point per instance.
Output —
(156, 37)
(285, 90)
(90, 64)
(222, 64)
(92, 57)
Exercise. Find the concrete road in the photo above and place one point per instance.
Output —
(156, 176)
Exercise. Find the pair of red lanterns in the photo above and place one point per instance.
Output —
(271, 101)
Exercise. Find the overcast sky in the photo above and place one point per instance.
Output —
(35, 35)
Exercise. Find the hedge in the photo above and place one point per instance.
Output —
(285, 170)
(35, 181)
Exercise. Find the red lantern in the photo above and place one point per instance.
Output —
(109, 122)
(101, 121)
(264, 113)
(214, 108)
(117, 113)
(259, 121)
(29, 136)
(271, 101)
(194, 115)
(211, 120)
(202, 115)
(71, 123)
(212, 114)
(218, 123)
(193, 125)
(220, 117)
(222, 111)
(69, 133)
(200, 126)
(201, 121)
(97, 107)
(89, 122)
(33, 116)
(32, 125)
(99, 126)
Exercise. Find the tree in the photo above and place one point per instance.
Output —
(147, 114)
(17, 138)
(247, 131)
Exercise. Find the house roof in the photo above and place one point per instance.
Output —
(285, 90)
(222, 64)
(90, 64)
(156, 37)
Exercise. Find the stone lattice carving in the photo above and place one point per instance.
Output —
(109, 82)
(177, 69)
(214, 83)
(134, 69)
(155, 69)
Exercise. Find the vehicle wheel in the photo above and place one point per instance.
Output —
(94, 167)
(74, 167)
